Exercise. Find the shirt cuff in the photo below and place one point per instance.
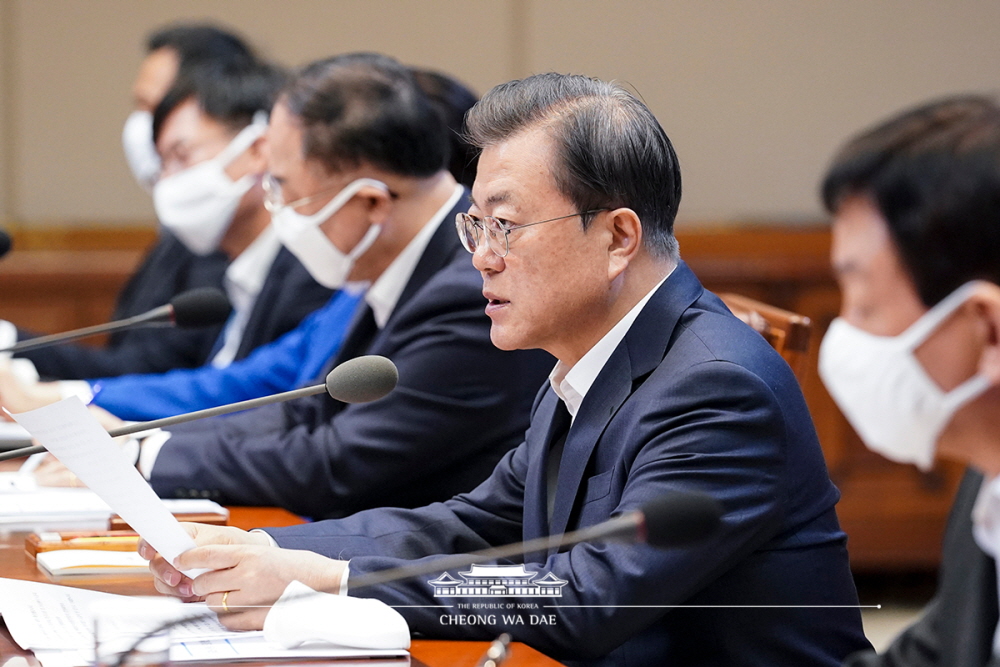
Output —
(150, 449)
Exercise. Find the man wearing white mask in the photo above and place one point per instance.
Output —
(209, 130)
(168, 268)
(914, 359)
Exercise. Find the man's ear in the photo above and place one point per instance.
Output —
(257, 155)
(378, 203)
(626, 239)
(986, 302)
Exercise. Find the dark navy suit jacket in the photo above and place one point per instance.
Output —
(956, 629)
(691, 399)
(459, 406)
(168, 269)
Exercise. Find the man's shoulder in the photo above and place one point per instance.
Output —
(707, 331)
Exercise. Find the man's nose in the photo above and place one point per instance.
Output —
(486, 260)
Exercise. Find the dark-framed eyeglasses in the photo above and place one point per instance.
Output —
(497, 232)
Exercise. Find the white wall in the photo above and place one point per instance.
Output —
(755, 95)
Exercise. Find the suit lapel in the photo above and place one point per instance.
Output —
(639, 353)
(538, 440)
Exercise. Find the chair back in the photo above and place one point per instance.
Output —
(787, 332)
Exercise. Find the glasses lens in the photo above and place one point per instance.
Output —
(467, 231)
(496, 236)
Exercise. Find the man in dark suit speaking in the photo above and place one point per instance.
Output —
(657, 388)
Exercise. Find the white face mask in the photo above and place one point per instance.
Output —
(198, 204)
(140, 151)
(883, 390)
(302, 236)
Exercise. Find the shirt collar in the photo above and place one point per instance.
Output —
(384, 293)
(246, 275)
(571, 384)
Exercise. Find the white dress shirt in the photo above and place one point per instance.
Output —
(243, 282)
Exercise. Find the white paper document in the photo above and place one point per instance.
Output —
(74, 436)
(55, 622)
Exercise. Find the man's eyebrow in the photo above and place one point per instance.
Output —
(492, 200)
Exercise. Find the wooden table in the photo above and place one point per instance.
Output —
(16, 564)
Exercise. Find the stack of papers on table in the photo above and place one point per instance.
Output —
(55, 623)
(74, 509)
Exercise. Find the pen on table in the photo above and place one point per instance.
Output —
(497, 652)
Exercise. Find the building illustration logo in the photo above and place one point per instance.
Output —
(498, 581)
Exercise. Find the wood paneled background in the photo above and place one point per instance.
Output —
(61, 278)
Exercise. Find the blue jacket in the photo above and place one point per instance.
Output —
(291, 361)
(692, 399)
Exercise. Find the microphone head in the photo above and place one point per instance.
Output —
(5, 243)
(362, 379)
(200, 307)
(681, 518)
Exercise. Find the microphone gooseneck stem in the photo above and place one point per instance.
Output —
(156, 315)
(138, 427)
(624, 527)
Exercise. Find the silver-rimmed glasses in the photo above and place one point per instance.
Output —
(471, 229)
(274, 199)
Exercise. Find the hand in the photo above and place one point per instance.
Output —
(250, 574)
(18, 397)
(170, 580)
(52, 472)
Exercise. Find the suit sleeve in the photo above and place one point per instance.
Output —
(441, 430)
(293, 359)
(731, 445)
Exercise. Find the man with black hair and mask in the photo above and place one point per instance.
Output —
(914, 359)
(209, 130)
(168, 268)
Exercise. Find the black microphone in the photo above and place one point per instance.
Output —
(359, 380)
(676, 519)
(5, 243)
(200, 307)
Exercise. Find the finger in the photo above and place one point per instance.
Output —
(217, 582)
(165, 572)
(210, 557)
(145, 550)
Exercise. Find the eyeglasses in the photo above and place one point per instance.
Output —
(275, 200)
(497, 231)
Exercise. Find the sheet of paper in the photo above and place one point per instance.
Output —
(73, 435)
(55, 622)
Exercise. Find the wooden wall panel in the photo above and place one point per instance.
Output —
(893, 514)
